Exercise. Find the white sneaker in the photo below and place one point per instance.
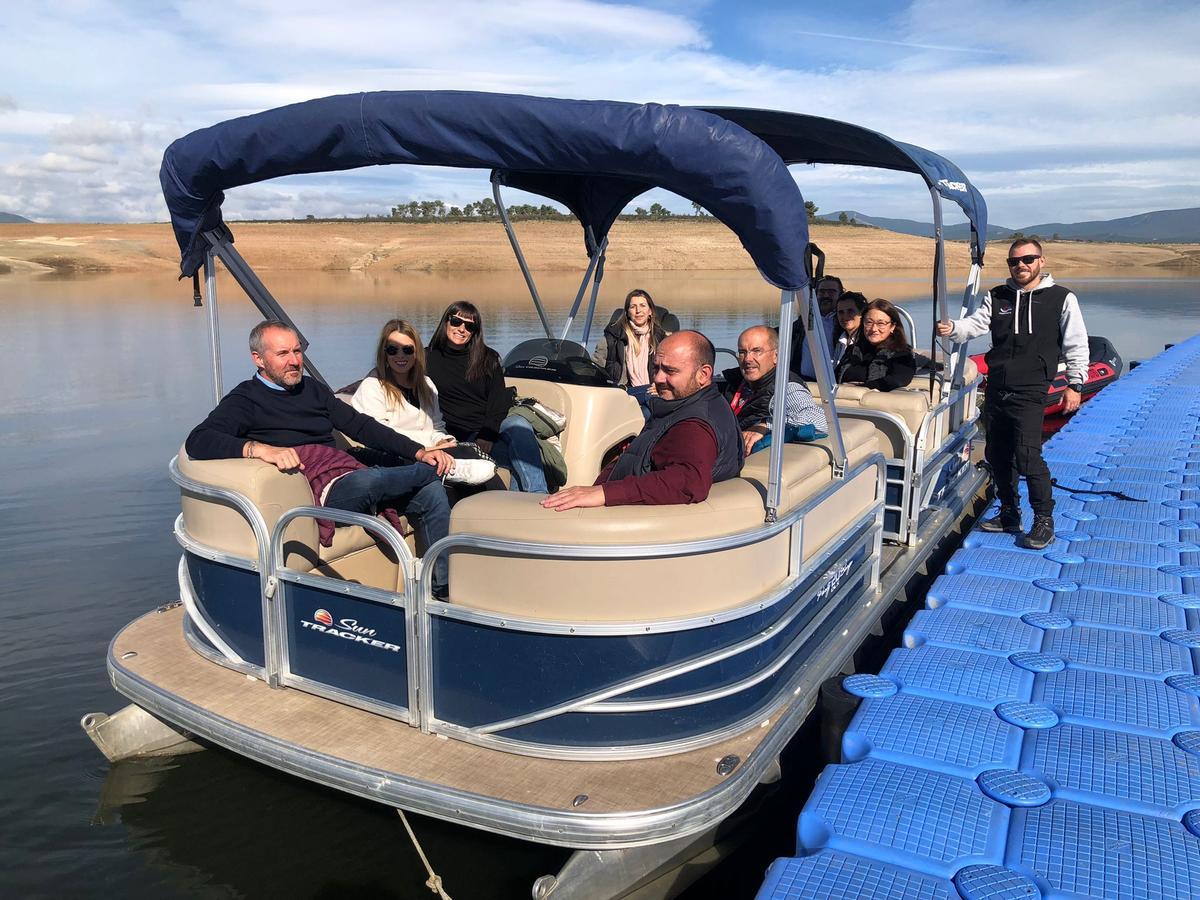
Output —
(471, 471)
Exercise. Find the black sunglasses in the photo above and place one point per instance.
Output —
(459, 322)
(1028, 259)
(393, 349)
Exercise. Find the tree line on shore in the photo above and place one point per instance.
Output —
(485, 209)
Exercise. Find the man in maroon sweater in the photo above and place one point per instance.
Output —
(691, 440)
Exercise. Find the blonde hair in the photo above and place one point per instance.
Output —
(651, 325)
(384, 372)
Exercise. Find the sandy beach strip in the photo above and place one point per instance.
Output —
(382, 245)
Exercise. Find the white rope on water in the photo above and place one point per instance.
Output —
(434, 882)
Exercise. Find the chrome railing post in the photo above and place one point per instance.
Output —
(214, 326)
(516, 245)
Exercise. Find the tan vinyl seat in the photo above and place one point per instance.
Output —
(598, 419)
(653, 589)
(911, 404)
(354, 555)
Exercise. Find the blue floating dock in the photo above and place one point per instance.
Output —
(1038, 733)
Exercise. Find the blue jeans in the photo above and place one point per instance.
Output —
(640, 393)
(518, 450)
(413, 490)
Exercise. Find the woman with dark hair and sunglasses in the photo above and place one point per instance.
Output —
(880, 356)
(474, 399)
(397, 393)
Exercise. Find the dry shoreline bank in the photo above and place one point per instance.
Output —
(385, 246)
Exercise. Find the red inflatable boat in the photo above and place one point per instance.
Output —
(1104, 368)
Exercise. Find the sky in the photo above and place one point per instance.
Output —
(1057, 111)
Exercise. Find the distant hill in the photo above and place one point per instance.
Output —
(919, 229)
(1168, 226)
(13, 218)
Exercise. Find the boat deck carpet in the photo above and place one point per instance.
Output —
(397, 751)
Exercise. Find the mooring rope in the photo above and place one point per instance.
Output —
(434, 882)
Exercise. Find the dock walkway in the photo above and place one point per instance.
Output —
(1038, 733)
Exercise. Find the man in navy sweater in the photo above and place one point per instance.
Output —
(267, 416)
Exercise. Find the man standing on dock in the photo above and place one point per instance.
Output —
(1033, 322)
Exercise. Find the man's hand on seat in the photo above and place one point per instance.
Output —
(752, 436)
(439, 459)
(285, 459)
(575, 497)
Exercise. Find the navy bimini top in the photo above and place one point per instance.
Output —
(592, 156)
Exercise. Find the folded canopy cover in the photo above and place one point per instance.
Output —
(799, 138)
(592, 156)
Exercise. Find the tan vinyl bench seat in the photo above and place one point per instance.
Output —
(353, 556)
(653, 589)
(597, 420)
(911, 404)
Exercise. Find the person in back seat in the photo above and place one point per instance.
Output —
(287, 420)
(829, 291)
(626, 348)
(750, 389)
(690, 442)
(880, 358)
(850, 308)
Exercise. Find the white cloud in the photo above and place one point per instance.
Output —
(1054, 110)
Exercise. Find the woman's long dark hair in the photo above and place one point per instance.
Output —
(860, 303)
(897, 340)
(482, 360)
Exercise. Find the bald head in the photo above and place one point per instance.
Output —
(758, 352)
(683, 364)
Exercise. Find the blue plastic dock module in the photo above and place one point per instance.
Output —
(1038, 733)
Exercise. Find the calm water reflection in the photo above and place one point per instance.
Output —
(103, 379)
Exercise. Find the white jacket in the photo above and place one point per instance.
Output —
(426, 428)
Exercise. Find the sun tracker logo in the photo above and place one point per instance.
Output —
(953, 185)
(347, 629)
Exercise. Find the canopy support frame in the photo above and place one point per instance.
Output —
(214, 324)
(595, 255)
(940, 306)
(223, 248)
(818, 350)
(516, 245)
(958, 351)
(591, 310)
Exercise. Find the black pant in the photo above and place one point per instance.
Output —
(1014, 446)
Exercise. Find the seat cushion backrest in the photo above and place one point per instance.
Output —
(598, 418)
(219, 525)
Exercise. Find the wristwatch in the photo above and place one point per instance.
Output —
(1076, 386)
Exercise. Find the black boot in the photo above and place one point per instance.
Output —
(1009, 520)
(1041, 534)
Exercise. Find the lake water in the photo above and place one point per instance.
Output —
(103, 379)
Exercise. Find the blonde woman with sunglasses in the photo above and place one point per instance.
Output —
(397, 393)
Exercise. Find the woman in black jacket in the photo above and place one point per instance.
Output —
(626, 349)
(475, 400)
(880, 356)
